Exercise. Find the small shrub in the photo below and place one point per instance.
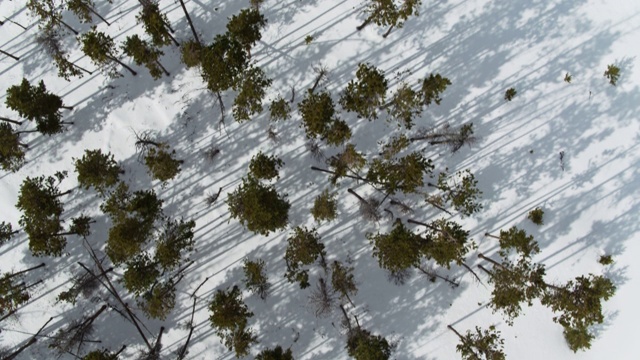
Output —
(612, 73)
(536, 216)
(567, 78)
(510, 94)
(606, 260)
(308, 39)
(255, 277)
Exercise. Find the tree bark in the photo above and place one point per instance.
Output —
(67, 107)
(333, 173)
(388, 31)
(123, 65)
(193, 295)
(493, 236)
(472, 272)
(346, 317)
(11, 121)
(162, 67)
(9, 55)
(148, 142)
(65, 193)
(173, 39)
(183, 350)
(481, 256)
(69, 27)
(193, 29)
(365, 23)
(98, 15)
(356, 195)
(411, 221)
(25, 270)
(456, 332)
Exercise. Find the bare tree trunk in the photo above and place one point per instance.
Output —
(25, 270)
(193, 29)
(388, 31)
(31, 341)
(493, 236)
(9, 55)
(69, 27)
(123, 65)
(411, 221)
(455, 331)
(173, 39)
(11, 121)
(81, 68)
(98, 15)
(183, 350)
(356, 195)
(162, 67)
(67, 107)
(332, 172)
(193, 295)
(432, 274)
(472, 272)
(365, 23)
(481, 256)
(346, 317)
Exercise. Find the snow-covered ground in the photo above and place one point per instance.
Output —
(483, 46)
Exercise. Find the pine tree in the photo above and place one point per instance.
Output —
(145, 54)
(258, 207)
(398, 250)
(158, 302)
(11, 149)
(461, 190)
(481, 344)
(175, 237)
(455, 139)
(304, 248)
(510, 94)
(49, 12)
(223, 63)
(318, 114)
(245, 28)
(579, 303)
(50, 41)
(140, 274)
(325, 206)
(396, 144)
(338, 133)
(193, 29)
(97, 170)
(103, 354)
(161, 164)
(380, 12)
(405, 105)
(366, 94)
(39, 201)
(536, 216)
(37, 104)
(348, 161)
(612, 73)
(83, 10)
(362, 345)
(74, 335)
(447, 242)
(251, 90)
(100, 48)
(155, 23)
(229, 317)
(279, 109)
(342, 281)
(255, 277)
(276, 353)
(514, 283)
(6, 232)
(405, 174)
(518, 240)
(13, 291)
(432, 87)
(265, 167)
(190, 53)
(322, 299)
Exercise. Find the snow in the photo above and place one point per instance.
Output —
(483, 46)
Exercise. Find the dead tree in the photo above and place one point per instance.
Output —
(322, 299)
(74, 336)
(31, 341)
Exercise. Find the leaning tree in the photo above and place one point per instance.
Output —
(143, 53)
(11, 148)
(303, 249)
(155, 23)
(101, 49)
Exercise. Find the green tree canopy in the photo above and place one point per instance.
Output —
(265, 167)
(275, 354)
(155, 23)
(98, 170)
(398, 250)
(37, 104)
(432, 87)
(143, 53)
(11, 149)
(405, 174)
(223, 63)
(481, 344)
(461, 190)
(304, 248)
(245, 27)
(319, 118)
(325, 206)
(258, 207)
(362, 345)
(251, 90)
(229, 317)
(255, 277)
(366, 94)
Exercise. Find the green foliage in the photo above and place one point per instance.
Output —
(255, 277)
(103, 354)
(176, 236)
(518, 240)
(461, 190)
(258, 207)
(161, 163)
(155, 23)
(325, 206)
(362, 345)
(510, 94)
(605, 260)
(578, 338)
(251, 91)
(158, 302)
(140, 275)
(145, 54)
(342, 280)
(405, 105)
(279, 109)
(349, 160)
(304, 248)
(405, 174)
(133, 216)
(223, 63)
(98, 170)
(536, 216)
(319, 118)
(387, 13)
(265, 167)
(39, 201)
(47, 10)
(567, 78)
(308, 39)
(229, 316)
(11, 149)
(81, 225)
(245, 27)
(190, 53)
(366, 94)
(432, 87)
(398, 250)
(36, 104)
(82, 9)
(395, 145)
(612, 73)
(481, 344)
(275, 354)
(514, 284)
(50, 39)
(6, 232)
(13, 293)
(98, 46)
(447, 243)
